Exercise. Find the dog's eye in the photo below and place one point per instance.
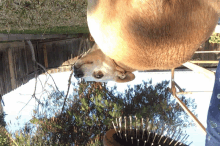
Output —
(98, 75)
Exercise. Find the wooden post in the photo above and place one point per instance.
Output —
(45, 56)
(26, 64)
(181, 90)
(172, 81)
(173, 92)
(198, 123)
(209, 74)
(205, 61)
(207, 52)
(191, 92)
(11, 68)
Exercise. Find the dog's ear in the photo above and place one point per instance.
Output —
(128, 76)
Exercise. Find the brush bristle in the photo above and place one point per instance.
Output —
(144, 132)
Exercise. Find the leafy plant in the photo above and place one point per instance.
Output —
(91, 108)
(215, 38)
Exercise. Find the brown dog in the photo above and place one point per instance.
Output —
(144, 35)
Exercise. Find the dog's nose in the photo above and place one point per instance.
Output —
(78, 73)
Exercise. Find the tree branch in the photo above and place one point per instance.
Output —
(69, 82)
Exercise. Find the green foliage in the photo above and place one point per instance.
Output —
(95, 143)
(156, 103)
(23, 139)
(215, 38)
(4, 136)
(86, 111)
(95, 106)
(2, 120)
(90, 110)
(4, 139)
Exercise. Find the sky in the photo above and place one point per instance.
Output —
(191, 81)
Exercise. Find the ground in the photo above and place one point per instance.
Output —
(43, 16)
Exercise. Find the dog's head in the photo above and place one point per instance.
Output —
(96, 66)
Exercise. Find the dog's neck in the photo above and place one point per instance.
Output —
(124, 67)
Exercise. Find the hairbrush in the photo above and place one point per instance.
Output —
(143, 132)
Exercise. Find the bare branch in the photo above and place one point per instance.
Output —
(36, 76)
(32, 50)
(25, 105)
(86, 46)
(69, 82)
(41, 83)
(33, 58)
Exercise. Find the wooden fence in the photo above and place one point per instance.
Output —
(17, 67)
(208, 56)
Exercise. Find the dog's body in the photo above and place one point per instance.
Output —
(147, 34)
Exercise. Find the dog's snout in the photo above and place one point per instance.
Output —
(78, 73)
(74, 68)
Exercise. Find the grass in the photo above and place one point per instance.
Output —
(43, 16)
(53, 30)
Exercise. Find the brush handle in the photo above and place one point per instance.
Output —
(109, 140)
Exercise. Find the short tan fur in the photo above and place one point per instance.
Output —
(150, 34)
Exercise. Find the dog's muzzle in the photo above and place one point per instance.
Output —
(78, 72)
